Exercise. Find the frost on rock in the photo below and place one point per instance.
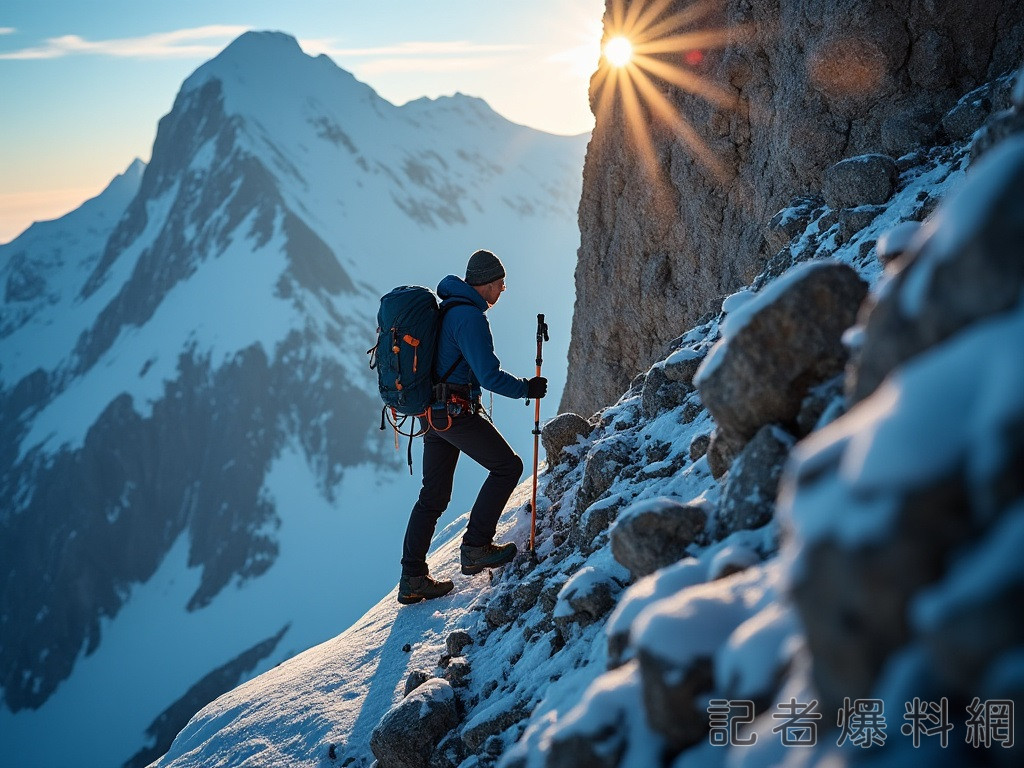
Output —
(776, 347)
(586, 597)
(653, 534)
(408, 734)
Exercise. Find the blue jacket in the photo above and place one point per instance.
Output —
(466, 330)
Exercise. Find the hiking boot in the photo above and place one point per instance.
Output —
(475, 559)
(413, 589)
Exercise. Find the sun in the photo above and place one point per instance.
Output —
(618, 51)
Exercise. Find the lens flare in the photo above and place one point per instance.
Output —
(655, 46)
(618, 51)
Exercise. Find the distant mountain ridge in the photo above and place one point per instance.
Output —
(203, 327)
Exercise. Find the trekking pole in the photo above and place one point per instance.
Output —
(542, 336)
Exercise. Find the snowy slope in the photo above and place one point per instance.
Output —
(189, 425)
(539, 693)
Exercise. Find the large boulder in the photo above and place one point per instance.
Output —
(559, 433)
(652, 534)
(951, 281)
(409, 732)
(775, 348)
(861, 180)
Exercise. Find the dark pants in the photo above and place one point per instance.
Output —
(477, 437)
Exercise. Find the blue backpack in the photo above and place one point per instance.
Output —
(408, 328)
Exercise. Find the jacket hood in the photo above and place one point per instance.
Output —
(453, 286)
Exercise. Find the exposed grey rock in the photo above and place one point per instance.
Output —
(826, 397)
(791, 342)
(457, 672)
(491, 722)
(902, 133)
(1002, 125)
(653, 400)
(594, 521)
(24, 282)
(456, 642)
(500, 610)
(409, 732)
(415, 679)
(669, 383)
(672, 698)
(508, 605)
(862, 180)
(450, 753)
(682, 365)
(791, 221)
(665, 235)
(562, 431)
(968, 114)
(853, 220)
(652, 534)
(983, 276)
(723, 448)
(585, 598)
(699, 446)
(605, 460)
(862, 599)
(854, 601)
(748, 496)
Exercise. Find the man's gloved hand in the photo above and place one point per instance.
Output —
(536, 387)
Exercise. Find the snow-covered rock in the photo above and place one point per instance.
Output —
(775, 348)
(652, 534)
(408, 734)
(560, 432)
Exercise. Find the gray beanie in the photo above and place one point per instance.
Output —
(484, 267)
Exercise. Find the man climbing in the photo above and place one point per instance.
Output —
(466, 349)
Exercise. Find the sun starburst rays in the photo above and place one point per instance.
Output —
(667, 48)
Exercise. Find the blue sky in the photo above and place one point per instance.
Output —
(84, 83)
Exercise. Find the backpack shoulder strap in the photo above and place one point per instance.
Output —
(445, 306)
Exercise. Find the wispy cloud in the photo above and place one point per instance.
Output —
(182, 43)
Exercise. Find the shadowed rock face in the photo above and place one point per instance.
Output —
(665, 235)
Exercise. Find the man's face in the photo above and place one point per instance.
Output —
(491, 291)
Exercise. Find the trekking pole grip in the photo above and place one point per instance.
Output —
(542, 336)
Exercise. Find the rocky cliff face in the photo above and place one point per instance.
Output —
(694, 151)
